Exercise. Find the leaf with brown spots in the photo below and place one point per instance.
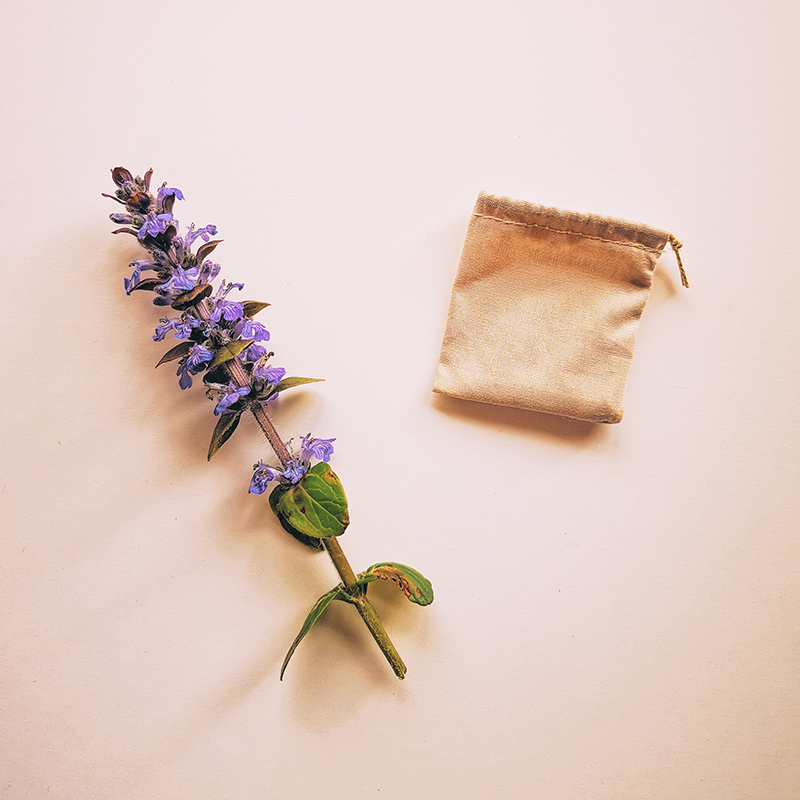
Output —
(316, 505)
(415, 586)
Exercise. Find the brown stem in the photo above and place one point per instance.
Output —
(265, 423)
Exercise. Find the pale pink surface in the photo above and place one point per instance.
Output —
(616, 609)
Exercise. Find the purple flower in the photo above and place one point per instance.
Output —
(154, 224)
(185, 326)
(181, 280)
(317, 448)
(250, 329)
(165, 191)
(226, 309)
(208, 271)
(262, 475)
(202, 233)
(192, 364)
(294, 471)
(253, 353)
(167, 324)
(132, 282)
(230, 397)
(272, 375)
(181, 327)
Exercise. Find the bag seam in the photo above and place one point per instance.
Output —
(654, 250)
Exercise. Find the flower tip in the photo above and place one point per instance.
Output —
(120, 175)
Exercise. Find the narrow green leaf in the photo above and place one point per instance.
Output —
(290, 383)
(252, 307)
(179, 351)
(229, 351)
(415, 586)
(223, 431)
(336, 593)
(316, 505)
(287, 383)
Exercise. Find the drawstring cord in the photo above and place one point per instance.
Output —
(676, 248)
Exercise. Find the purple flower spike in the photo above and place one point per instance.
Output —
(230, 397)
(262, 475)
(317, 448)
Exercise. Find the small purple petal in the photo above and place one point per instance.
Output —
(230, 397)
(168, 324)
(272, 375)
(294, 471)
(250, 329)
(164, 191)
(253, 353)
(321, 449)
(262, 475)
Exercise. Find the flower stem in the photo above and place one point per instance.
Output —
(340, 562)
(265, 423)
(365, 608)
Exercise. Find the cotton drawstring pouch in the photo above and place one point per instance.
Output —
(545, 308)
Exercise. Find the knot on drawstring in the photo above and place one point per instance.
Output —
(676, 248)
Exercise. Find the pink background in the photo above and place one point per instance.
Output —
(616, 609)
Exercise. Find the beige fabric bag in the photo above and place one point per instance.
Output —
(545, 309)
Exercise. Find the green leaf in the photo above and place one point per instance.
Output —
(309, 541)
(252, 307)
(290, 383)
(223, 431)
(286, 383)
(179, 351)
(415, 586)
(337, 593)
(316, 505)
(229, 351)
